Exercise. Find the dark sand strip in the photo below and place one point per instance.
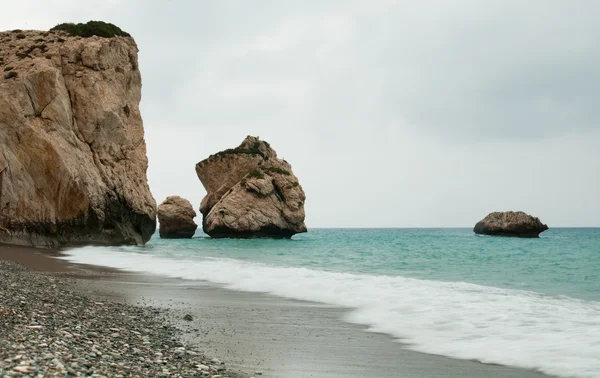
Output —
(35, 259)
(45, 260)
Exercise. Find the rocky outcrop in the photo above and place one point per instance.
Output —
(510, 223)
(72, 151)
(250, 193)
(176, 218)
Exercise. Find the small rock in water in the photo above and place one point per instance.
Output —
(188, 317)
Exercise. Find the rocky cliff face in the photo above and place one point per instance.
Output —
(510, 223)
(176, 217)
(250, 193)
(72, 151)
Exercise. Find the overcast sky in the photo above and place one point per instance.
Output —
(392, 113)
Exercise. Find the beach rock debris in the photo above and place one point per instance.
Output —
(73, 157)
(176, 218)
(250, 193)
(510, 223)
(52, 327)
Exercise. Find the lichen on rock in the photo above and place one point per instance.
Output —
(250, 193)
(73, 157)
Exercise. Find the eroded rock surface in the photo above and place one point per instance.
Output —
(72, 151)
(176, 218)
(510, 223)
(250, 193)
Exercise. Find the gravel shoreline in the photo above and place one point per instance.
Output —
(48, 328)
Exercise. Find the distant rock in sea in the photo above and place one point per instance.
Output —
(176, 218)
(72, 157)
(250, 193)
(510, 223)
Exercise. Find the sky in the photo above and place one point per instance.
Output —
(392, 113)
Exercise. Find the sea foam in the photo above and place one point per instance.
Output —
(552, 334)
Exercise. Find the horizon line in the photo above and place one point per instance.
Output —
(428, 227)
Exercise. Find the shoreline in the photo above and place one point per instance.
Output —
(48, 261)
(262, 333)
(292, 338)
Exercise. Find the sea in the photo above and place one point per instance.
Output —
(528, 303)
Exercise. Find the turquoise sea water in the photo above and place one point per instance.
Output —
(531, 303)
(563, 261)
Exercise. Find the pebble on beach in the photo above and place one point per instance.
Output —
(50, 328)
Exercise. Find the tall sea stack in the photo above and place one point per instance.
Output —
(250, 193)
(72, 151)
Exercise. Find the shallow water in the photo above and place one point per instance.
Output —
(531, 303)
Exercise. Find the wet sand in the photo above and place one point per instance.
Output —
(274, 336)
(291, 339)
(35, 259)
(45, 260)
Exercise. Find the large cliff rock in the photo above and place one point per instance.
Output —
(250, 193)
(72, 151)
(510, 223)
(176, 218)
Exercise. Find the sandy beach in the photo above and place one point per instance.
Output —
(256, 333)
